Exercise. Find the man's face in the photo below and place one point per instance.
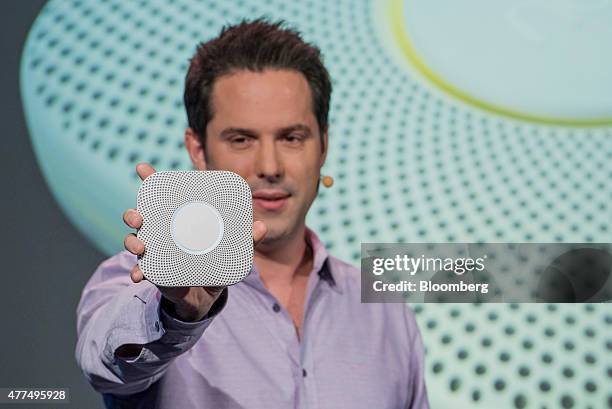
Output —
(263, 128)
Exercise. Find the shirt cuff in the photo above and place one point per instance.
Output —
(159, 328)
(134, 318)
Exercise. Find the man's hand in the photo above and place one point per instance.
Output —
(190, 303)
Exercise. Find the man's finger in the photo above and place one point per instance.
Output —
(259, 231)
(132, 218)
(144, 170)
(136, 274)
(133, 244)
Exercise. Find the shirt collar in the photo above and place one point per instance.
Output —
(320, 264)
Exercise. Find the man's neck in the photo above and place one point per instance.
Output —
(284, 272)
(278, 265)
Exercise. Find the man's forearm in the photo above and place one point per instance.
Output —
(125, 339)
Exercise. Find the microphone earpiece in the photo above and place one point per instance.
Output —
(327, 181)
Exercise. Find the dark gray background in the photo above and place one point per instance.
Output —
(45, 262)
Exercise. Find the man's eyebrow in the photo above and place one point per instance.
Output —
(236, 131)
(227, 132)
(296, 127)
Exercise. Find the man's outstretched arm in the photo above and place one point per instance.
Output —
(129, 329)
(128, 333)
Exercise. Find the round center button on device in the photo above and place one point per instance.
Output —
(197, 227)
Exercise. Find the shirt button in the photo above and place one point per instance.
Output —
(304, 372)
(276, 307)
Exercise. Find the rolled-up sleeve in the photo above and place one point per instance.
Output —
(114, 311)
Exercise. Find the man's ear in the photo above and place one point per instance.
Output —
(324, 148)
(195, 148)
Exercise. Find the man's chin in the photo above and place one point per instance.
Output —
(273, 234)
(276, 231)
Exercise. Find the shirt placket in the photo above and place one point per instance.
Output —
(307, 387)
(281, 327)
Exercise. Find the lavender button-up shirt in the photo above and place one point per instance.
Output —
(245, 353)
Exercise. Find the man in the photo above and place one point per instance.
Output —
(293, 334)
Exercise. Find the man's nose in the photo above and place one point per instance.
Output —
(269, 163)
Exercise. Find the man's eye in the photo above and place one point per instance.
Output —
(240, 140)
(293, 138)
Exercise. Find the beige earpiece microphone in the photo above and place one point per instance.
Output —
(327, 181)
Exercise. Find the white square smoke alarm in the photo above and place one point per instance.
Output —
(197, 228)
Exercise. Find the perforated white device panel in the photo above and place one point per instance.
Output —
(197, 228)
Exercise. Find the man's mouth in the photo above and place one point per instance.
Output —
(270, 199)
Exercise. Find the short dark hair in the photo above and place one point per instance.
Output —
(253, 45)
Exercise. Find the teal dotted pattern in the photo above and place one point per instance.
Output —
(102, 88)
